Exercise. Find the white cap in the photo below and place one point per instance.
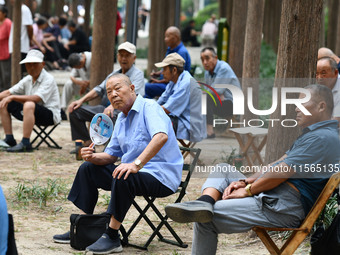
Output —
(129, 47)
(33, 56)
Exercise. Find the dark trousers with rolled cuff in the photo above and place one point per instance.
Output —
(224, 111)
(91, 177)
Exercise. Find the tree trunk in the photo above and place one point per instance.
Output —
(10, 10)
(271, 24)
(296, 66)
(162, 16)
(45, 7)
(16, 54)
(229, 11)
(59, 7)
(74, 10)
(337, 33)
(87, 17)
(222, 8)
(103, 43)
(252, 52)
(225, 8)
(333, 7)
(322, 26)
(237, 36)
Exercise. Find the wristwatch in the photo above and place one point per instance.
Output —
(248, 189)
(138, 163)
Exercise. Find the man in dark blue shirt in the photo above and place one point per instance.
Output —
(172, 39)
(278, 195)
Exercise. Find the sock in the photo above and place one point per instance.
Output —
(207, 198)
(25, 141)
(9, 138)
(112, 233)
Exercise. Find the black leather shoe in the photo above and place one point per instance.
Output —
(211, 136)
(11, 143)
(20, 147)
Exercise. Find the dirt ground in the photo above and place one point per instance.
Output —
(35, 226)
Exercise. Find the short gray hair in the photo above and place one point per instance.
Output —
(322, 93)
(74, 59)
(124, 77)
(332, 63)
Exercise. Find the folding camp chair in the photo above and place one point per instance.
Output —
(299, 234)
(186, 144)
(187, 172)
(44, 135)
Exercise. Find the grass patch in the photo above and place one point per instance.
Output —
(38, 193)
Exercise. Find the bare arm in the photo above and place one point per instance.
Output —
(30, 31)
(4, 94)
(19, 98)
(156, 143)
(92, 94)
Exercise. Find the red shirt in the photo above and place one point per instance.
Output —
(5, 29)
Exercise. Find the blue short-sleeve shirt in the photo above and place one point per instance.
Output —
(183, 100)
(132, 133)
(315, 157)
(223, 74)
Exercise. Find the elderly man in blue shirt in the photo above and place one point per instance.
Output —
(217, 72)
(182, 99)
(151, 162)
(278, 195)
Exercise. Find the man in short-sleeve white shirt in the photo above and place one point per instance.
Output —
(34, 100)
(26, 30)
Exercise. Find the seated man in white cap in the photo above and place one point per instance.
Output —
(181, 99)
(79, 113)
(34, 100)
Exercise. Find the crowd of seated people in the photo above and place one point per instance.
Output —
(57, 38)
(176, 114)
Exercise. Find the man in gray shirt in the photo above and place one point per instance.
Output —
(79, 113)
(34, 100)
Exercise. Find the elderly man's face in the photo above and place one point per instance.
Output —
(313, 107)
(126, 60)
(34, 69)
(121, 95)
(208, 60)
(170, 39)
(168, 75)
(325, 75)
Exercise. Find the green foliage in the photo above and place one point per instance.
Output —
(37, 193)
(228, 158)
(267, 61)
(106, 199)
(142, 53)
(202, 16)
(330, 211)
